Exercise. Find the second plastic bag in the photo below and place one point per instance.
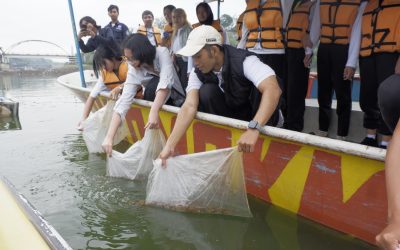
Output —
(137, 162)
(95, 128)
(207, 182)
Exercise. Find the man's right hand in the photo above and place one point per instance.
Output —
(389, 238)
(107, 146)
(165, 154)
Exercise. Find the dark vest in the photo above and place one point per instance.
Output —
(237, 88)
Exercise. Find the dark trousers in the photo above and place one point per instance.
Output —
(389, 101)
(277, 63)
(296, 92)
(374, 70)
(182, 71)
(331, 61)
(150, 89)
(212, 100)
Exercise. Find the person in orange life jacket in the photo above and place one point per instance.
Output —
(221, 84)
(119, 29)
(152, 32)
(379, 53)
(152, 68)
(167, 32)
(389, 105)
(111, 71)
(98, 36)
(298, 48)
(181, 31)
(340, 35)
(263, 33)
(206, 17)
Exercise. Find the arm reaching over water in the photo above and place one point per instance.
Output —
(271, 92)
(389, 238)
(185, 117)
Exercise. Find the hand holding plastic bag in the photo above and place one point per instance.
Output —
(207, 182)
(137, 162)
(95, 128)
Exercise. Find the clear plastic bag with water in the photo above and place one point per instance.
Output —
(95, 128)
(137, 162)
(207, 182)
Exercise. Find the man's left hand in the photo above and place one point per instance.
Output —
(248, 140)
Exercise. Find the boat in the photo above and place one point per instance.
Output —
(18, 217)
(8, 105)
(336, 183)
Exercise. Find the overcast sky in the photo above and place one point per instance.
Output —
(50, 20)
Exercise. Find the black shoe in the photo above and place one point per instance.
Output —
(369, 142)
(383, 146)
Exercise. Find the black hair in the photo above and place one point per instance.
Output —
(169, 7)
(141, 48)
(147, 12)
(111, 7)
(210, 15)
(101, 53)
(88, 19)
(208, 47)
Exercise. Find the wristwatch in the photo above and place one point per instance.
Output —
(254, 125)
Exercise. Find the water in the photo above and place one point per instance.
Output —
(48, 162)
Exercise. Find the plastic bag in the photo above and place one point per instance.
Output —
(207, 182)
(137, 162)
(95, 128)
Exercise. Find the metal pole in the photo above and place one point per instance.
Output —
(219, 6)
(78, 53)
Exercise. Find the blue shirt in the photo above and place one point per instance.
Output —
(119, 30)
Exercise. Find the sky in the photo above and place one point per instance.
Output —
(50, 19)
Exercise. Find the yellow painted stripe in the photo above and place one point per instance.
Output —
(16, 231)
(355, 172)
(287, 191)
(210, 146)
(265, 147)
(136, 129)
(190, 139)
(166, 118)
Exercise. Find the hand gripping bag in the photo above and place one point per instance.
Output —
(95, 128)
(207, 182)
(137, 162)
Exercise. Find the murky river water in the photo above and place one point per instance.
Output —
(48, 162)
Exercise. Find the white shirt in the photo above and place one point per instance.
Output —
(98, 88)
(254, 70)
(176, 42)
(355, 36)
(163, 67)
(286, 8)
(151, 37)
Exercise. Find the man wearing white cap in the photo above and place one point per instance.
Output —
(221, 83)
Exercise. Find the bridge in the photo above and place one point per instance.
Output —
(14, 51)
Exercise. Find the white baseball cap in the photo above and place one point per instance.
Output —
(198, 38)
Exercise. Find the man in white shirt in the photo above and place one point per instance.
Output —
(221, 83)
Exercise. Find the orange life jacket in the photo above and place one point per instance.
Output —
(337, 19)
(113, 79)
(265, 24)
(298, 24)
(168, 28)
(380, 27)
(156, 32)
(216, 24)
(239, 25)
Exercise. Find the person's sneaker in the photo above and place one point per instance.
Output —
(369, 142)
